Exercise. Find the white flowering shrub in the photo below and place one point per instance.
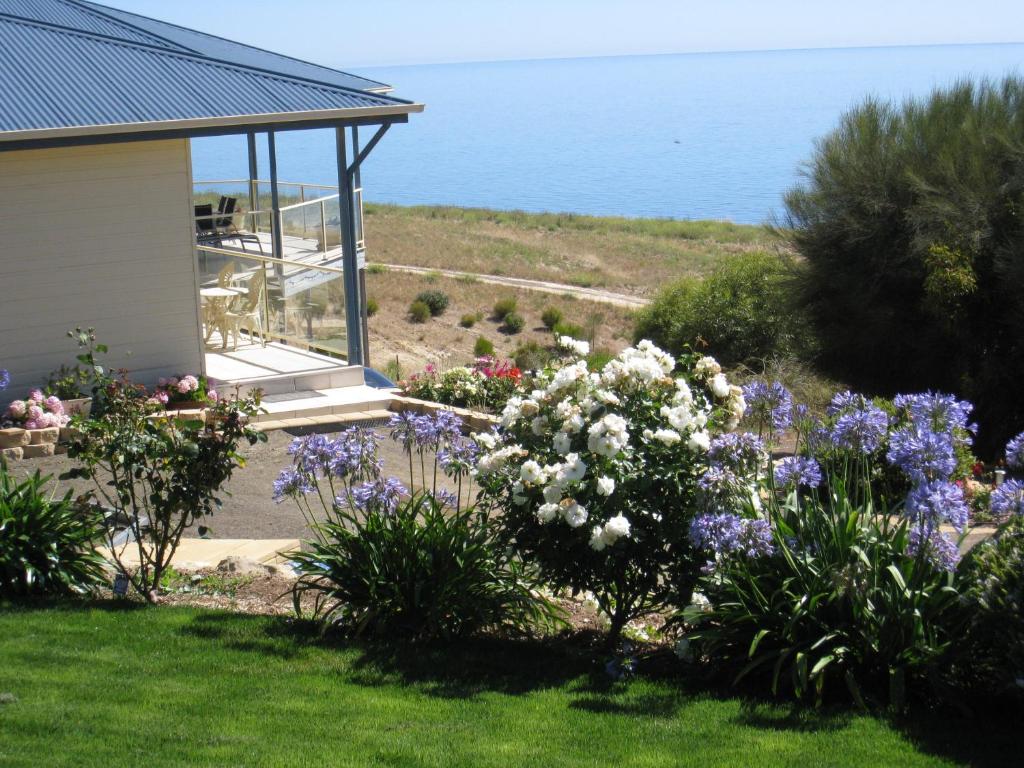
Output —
(596, 473)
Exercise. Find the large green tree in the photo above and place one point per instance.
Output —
(909, 218)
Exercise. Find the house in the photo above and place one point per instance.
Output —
(103, 225)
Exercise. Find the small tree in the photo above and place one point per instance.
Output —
(155, 475)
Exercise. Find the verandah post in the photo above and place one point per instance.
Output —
(350, 259)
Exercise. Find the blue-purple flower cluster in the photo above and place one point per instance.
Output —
(1008, 499)
(797, 471)
(859, 425)
(740, 452)
(5, 379)
(421, 432)
(1015, 452)
(769, 405)
(726, 534)
(380, 495)
(932, 502)
(937, 546)
(349, 457)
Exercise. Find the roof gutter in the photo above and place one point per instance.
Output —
(202, 123)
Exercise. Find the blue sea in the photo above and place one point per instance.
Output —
(689, 136)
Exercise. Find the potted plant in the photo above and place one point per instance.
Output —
(185, 392)
(70, 384)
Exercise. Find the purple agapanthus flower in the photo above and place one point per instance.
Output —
(290, 484)
(845, 401)
(728, 534)
(459, 457)
(403, 428)
(936, 412)
(5, 379)
(719, 486)
(771, 405)
(1015, 452)
(741, 452)
(796, 471)
(932, 503)
(380, 495)
(922, 453)
(1008, 499)
(860, 429)
(938, 548)
(446, 498)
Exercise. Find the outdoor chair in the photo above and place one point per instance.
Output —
(247, 313)
(205, 229)
(225, 224)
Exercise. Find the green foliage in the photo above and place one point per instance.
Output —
(419, 312)
(505, 306)
(468, 320)
(563, 328)
(47, 543)
(531, 356)
(372, 307)
(376, 269)
(909, 221)
(513, 323)
(993, 575)
(436, 300)
(159, 473)
(483, 347)
(742, 311)
(551, 316)
(81, 379)
(393, 369)
(844, 606)
(422, 572)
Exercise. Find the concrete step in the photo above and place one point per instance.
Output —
(329, 401)
(290, 383)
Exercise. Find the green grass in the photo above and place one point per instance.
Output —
(108, 686)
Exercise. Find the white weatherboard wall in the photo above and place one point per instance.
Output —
(97, 236)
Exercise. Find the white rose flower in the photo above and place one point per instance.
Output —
(616, 528)
(529, 407)
(562, 443)
(683, 393)
(485, 440)
(605, 486)
(719, 386)
(680, 417)
(597, 539)
(539, 425)
(573, 424)
(575, 514)
(532, 473)
(553, 494)
(571, 470)
(547, 512)
(667, 436)
(707, 366)
(699, 441)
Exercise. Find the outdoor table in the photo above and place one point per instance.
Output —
(216, 300)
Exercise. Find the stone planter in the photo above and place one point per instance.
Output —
(15, 437)
(48, 436)
(38, 450)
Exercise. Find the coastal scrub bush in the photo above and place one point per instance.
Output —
(596, 475)
(468, 320)
(815, 583)
(908, 222)
(513, 323)
(551, 316)
(482, 347)
(419, 312)
(155, 473)
(47, 543)
(372, 307)
(563, 328)
(742, 310)
(505, 306)
(436, 300)
(425, 565)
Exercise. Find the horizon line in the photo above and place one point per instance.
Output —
(348, 67)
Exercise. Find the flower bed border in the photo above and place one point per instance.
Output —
(476, 421)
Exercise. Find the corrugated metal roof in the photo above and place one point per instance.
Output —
(72, 16)
(65, 80)
(238, 53)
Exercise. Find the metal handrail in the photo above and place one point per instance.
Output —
(269, 259)
(307, 202)
(266, 181)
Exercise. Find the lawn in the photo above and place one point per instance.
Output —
(108, 686)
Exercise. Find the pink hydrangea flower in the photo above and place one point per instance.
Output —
(190, 384)
(31, 424)
(172, 382)
(53, 404)
(17, 409)
(162, 397)
(36, 395)
(35, 413)
(212, 394)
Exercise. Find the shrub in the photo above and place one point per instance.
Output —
(383, 562)
(601, 498)
(531, 356)
(160, 474)
(372, 307)
(742, 310)
(468, 320)
(436, 300)
(562, 328)
(819, 584)
(377, 269)
(419, 312)
(551, 316)
(505, 306)
(483, 347)
(994, 585)
(513, 323)
(47, 543)
(921, 253)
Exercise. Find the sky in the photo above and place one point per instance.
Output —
(367, 33)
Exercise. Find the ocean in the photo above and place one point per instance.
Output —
(688, 136)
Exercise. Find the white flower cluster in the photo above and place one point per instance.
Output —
(577, 347)
(581, 432)
(730, 396)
